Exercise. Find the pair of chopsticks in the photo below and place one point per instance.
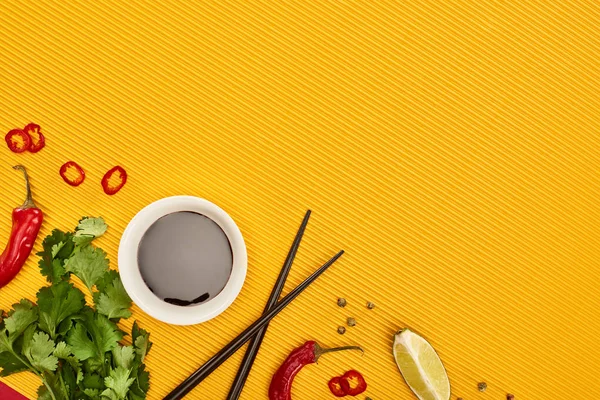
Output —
(257, 329)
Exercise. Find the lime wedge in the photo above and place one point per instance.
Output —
(421, 367)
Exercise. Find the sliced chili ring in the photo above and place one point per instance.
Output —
(335, 386)
(72, 173)
(353, 383)
(114, 180)
(38, 141)
(18, 140)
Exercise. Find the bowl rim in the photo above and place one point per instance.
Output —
(132, 277)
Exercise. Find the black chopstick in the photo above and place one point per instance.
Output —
(254, 346)
(215, 361)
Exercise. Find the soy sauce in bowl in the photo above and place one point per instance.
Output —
(185, 258)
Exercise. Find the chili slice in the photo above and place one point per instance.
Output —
(108, 181)
(72, 173)
(335, 386)
(18, 140)
(353, 383)
(38, 141)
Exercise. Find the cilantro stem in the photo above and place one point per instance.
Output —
(35, 371)
(49, 389)
(25, 362)
(62, 384)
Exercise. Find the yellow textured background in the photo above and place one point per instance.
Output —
(450, 147)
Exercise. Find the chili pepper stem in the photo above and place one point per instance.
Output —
(319, 351)
(28, 200)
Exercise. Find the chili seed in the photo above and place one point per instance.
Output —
(341, 330)
(351, 322)
(342, 302)
(370, 305)
(482, 386)
(510, 397)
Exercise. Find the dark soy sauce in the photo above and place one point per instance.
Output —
(185, 258)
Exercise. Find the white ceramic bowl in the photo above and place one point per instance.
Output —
(132, 278)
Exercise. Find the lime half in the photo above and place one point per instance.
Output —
(421, 367)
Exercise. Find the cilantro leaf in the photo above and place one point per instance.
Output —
(114, 302)
(81, 345)
(62, 350)
(123, 356)
(138, 390)
(5, 344)
(89, 264)
(11, 364)
(110, 395)
(69, 376)
(56, 303)
(51, 389)
(43, 393)
(93, 336)
(143, 379)
(93, 394)
(106, 334)
(118, 384)
(23, 314)
(72, 368)
(141, 341)
(93, 381)
(57, 247)
(39, 353)
(106, 280)
(27, 338)
(89, 229)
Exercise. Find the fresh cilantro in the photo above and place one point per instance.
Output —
(141, 341)
(114, 302)
(11, 363)
(89, 229)
(57, 248)
(93, 336)
(24, 314)
(27, 338)
(139, 389)
(118, 383)
(56, 303)
(93, 394)
(72, 347)
(93, 381)
(51, 389)
(62, 350)
(69, 376)
(89, 264)
(81, 345)
(106, 280)
(39, 353)
(123, 356)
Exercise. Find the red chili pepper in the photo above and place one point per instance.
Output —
(18, 140)
(38, 141)
(111, 188)
(72, 173)
(308, 353)
(27, 221)
(353, 383)
(335, 386)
